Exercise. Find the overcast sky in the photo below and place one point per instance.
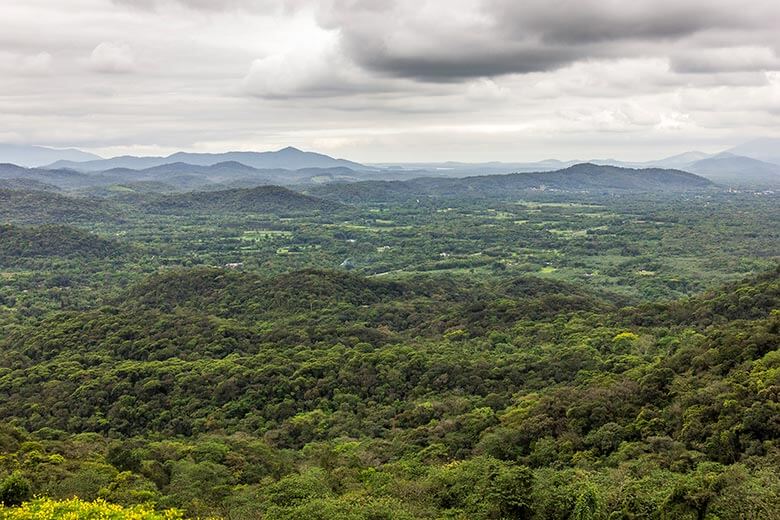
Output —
(391, 80)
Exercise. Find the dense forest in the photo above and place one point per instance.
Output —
(505, 354)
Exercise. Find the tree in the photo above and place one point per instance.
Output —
(15, 489)
(586, 505)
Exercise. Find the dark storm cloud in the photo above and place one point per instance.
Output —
(449, 41)
(447, 68)
(593, 21)
(411, 40)
(727, 59)
(458, 68)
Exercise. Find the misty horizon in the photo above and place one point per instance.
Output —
(5, 148)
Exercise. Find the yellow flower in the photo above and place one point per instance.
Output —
(75, 509)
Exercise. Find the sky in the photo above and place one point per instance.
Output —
(391, 80)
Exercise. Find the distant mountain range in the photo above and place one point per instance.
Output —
(60, 178)
(756, 163)
(287, 158)
(727, 168)
(765, 149)
(680, 161)
(32, 156)
(178, 176)
(750, 164)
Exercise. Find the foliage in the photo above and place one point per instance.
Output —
(14, 490)
(262, 199)
(20, 243)
(591, 356)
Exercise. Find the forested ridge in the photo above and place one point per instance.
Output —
(259, 353)
(20, 243)
(34, 207)
(197, 401)
(585, 177)
(260, 199)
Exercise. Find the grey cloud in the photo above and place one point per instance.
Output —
(448, 68)
(446, 41)
(510, 37)
(594, 21)
(727, 59)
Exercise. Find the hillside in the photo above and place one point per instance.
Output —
(327, 294)
(22, 184)
(188, 176)
(262, 199)
(127, 189)
(764, 149)
(235, 293)
(578, 178)
(209, 313)
(62, 178)
(744, 300)
(26, 243)
(681, 161)
(560, 406)
(737, 170)
(179, 176)
(42, 207)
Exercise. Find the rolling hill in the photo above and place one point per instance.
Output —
(423, 304)
(181, 176)
(680, 161)
(287, 158)
(26, 243)
(235, 293)
(23, 184)
(46, 207)
(764, 149)
(727, 168)
(261, 199)
(584, 177)
(60, 177)
(177, 321)
(186, 176)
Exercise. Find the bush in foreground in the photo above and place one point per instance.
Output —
(46, 509)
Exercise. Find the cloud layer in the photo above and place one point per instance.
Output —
(109, 57)
(391, 80)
